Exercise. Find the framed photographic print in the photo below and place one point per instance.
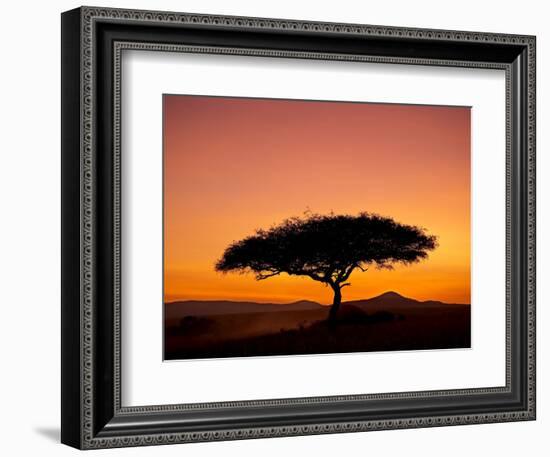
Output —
(274, 227)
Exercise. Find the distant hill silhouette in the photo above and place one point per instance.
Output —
(386, 301)
(216, 307)
(393, 300)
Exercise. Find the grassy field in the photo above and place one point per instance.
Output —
(380, 328)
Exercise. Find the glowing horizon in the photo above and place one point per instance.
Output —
(234, 165)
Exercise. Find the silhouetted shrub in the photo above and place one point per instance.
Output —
(351, 314)
(381, 316)
(193, 324)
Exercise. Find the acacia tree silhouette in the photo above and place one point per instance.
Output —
(327, 248)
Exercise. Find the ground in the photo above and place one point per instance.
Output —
(363, 326)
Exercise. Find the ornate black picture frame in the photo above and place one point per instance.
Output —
(92, 42)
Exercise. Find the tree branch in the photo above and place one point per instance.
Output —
(348, 272)
(315, 276)
(262, 276)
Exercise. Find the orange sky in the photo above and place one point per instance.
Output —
(232, 165)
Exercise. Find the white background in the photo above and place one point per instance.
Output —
(147, 75)
(30, 244)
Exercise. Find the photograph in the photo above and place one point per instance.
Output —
(297, 227)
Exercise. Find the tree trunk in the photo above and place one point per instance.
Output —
(335, 305)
